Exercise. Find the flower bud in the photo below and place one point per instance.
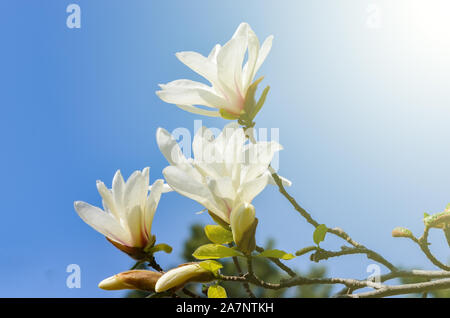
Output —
(243, 225)
(176, 278)
(134, 279)
(402, 232)
(438, 220)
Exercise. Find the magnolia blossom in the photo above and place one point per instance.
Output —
(128, 209)
(224, 172)
(223, 69)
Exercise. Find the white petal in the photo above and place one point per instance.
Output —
(253, 52)
(200, 64)
(252, 188)
(187, 92)
(152, 204)
(108, 198)
(234, 146)
(136, 189)
(261, 153)
(229, 65)
(213, 55)
(165, 189)
(223, 188)
(252, 171)
(199, 111)
(187, 185)
(242, 30)
(202, 140)
(222, 139)
(102, 222)
(263, 52)
(169, 147)
(118, 189)
(136, 226)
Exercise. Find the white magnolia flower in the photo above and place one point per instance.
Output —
(224, 172)
(223, 69)
(128, 209)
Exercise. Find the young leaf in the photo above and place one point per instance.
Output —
(161, 247)
(217, 291)
(211, 266)
(276, 254)
(215, 251)
(319, 233)
(217, 234)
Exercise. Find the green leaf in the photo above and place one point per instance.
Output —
(276, 254)
(260, 103)
(160, 247)
(211, 266)
(217, 291)
(447, 208)
(319, 233)
(215, 251)
(217, 234)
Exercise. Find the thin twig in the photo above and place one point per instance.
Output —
(423, 244)
(187, 292)
(240, 273)
(405, 289)
(336, 231)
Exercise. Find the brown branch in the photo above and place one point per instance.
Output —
(351, 285)
(423, 244)
(405, 289)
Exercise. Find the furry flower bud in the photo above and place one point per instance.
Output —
(243, 225)
(134, 279)
(186, 273)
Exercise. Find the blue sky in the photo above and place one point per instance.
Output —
(362, 109)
